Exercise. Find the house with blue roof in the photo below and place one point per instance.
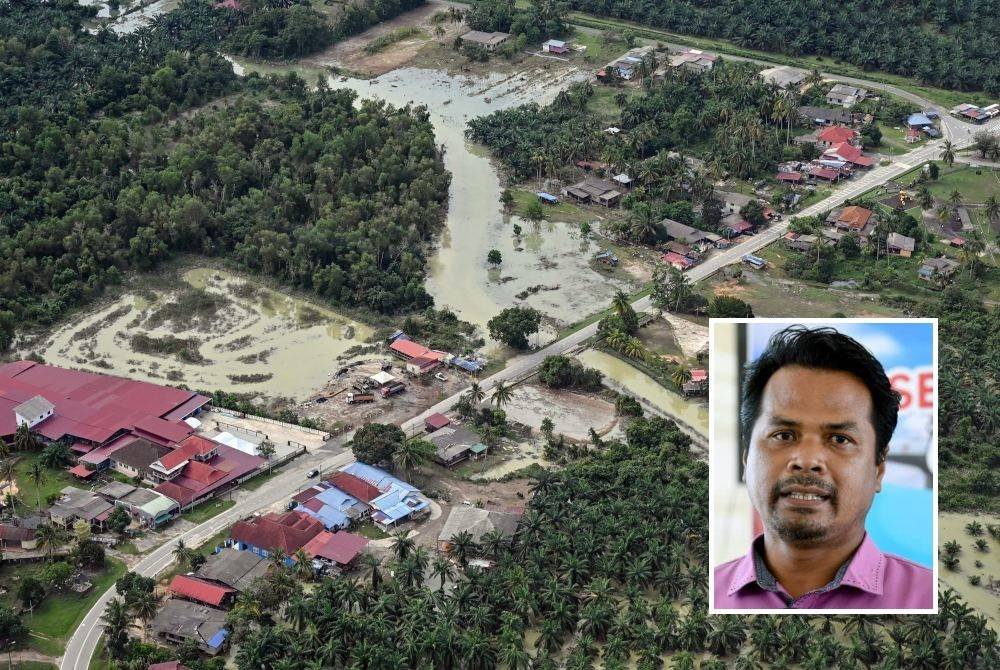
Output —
(334, 508)
(399, 500)
(918, 120)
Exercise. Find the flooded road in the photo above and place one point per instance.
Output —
(642, 385)
(550, 261)
(125, 19)
(290, 344)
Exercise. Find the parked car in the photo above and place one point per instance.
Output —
(313, 473)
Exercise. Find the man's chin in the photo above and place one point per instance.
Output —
(798, 532)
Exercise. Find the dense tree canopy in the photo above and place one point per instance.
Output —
(951, 44)
(298, 185)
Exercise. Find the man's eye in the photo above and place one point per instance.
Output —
(784, 436)
(841, 440)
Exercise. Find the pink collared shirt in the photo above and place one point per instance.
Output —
(868, 580)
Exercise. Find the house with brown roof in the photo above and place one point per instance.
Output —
(200, 591)
(594, 190)
(488, 41)
(338, 549)
(135, 458)
(477, 522)
(354, 486)
(900, 245)
(179, 621)
(262, 535)
(850, 218)
(933, 268)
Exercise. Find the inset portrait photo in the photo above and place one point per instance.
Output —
(822, 466)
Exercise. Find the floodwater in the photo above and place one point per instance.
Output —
(550, 260)
(642, 385)
(951, 526)
(262, 331)
(125, 23)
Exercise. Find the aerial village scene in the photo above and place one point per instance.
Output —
(360, 334)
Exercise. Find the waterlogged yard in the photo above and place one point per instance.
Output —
(210, 329)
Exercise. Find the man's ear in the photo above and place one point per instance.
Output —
(879, 473)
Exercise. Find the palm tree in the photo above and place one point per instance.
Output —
(947, 153)
(55, 455)
(279, 558)
(116, 621)
(955, 198)
(475, 394)
(442, 569)
(620, 303)
(50, 537)
(412, 454)
(633, 348)
(462, 546)
(502, 394)
(402, 545)
(992, 208)
(680, 376)
(144, 607)
(37, 476)
(4, 448)
(23, 439)
(303, 565)
(182, 553)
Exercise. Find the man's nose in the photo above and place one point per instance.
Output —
(808, 456)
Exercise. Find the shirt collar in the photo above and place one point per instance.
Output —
(865, 570)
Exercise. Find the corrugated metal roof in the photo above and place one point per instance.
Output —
(196, 589)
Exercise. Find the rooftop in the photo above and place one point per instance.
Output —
(196, 589)
(339, 547)
(190, 620)
(288, 531)
(90, 406)
(478, 522)
(236, 569)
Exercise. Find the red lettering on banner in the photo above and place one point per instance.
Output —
(916, 388)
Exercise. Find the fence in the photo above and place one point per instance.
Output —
(243, 415)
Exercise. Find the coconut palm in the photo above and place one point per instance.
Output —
(24, 441)
(402, 545)
(116, 620)
(462, 547)
(411, 454)
(182, 553)
(992, 208)
(475, 394)
(620, 303)
(144, 608)
(680, 376)
(502, 394)
(50, 538)
(443, 570)
(947, 153)
(37, 476)
(303, 565)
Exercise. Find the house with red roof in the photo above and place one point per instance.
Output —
(790, 177)
(338, 549)
(196, 479)
(354, 486)
(201, 591)
(824, 174)
(262, 535)
(831, 135)
(192, 449)
(850, 154)
(698, 384)
(678, 261)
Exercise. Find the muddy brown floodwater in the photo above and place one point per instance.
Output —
(292, 343)
(550, 260)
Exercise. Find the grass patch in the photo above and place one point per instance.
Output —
(562, 211)
(32, 665)
(975, 188)
(383, 42)
(594, 318)
(371, 531)
(207, 510)
(98, 661)
(54, 481)
(599, 50)
(57, 617)
(894, 141)
(260, 480)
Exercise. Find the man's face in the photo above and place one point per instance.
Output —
(810, 467)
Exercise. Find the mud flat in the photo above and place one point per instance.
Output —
(951, 526)
(641, 385)
(572, 414)
(246, 338)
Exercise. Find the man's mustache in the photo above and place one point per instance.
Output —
(804, 480)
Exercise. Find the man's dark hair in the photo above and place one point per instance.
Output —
(824, 349)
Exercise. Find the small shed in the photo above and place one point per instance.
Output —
(623, 179)
(382, 378)
(555, 47)
(436, 421)
(547, 198)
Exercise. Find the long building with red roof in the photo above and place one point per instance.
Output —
(289, 532)
(93, 409)
(201, 591)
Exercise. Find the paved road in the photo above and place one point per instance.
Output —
(81, 646)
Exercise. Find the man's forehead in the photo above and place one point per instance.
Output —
(808, 395)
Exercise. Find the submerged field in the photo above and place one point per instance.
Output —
(209, 329)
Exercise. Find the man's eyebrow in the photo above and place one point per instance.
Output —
(782, 421)
(846, 425)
